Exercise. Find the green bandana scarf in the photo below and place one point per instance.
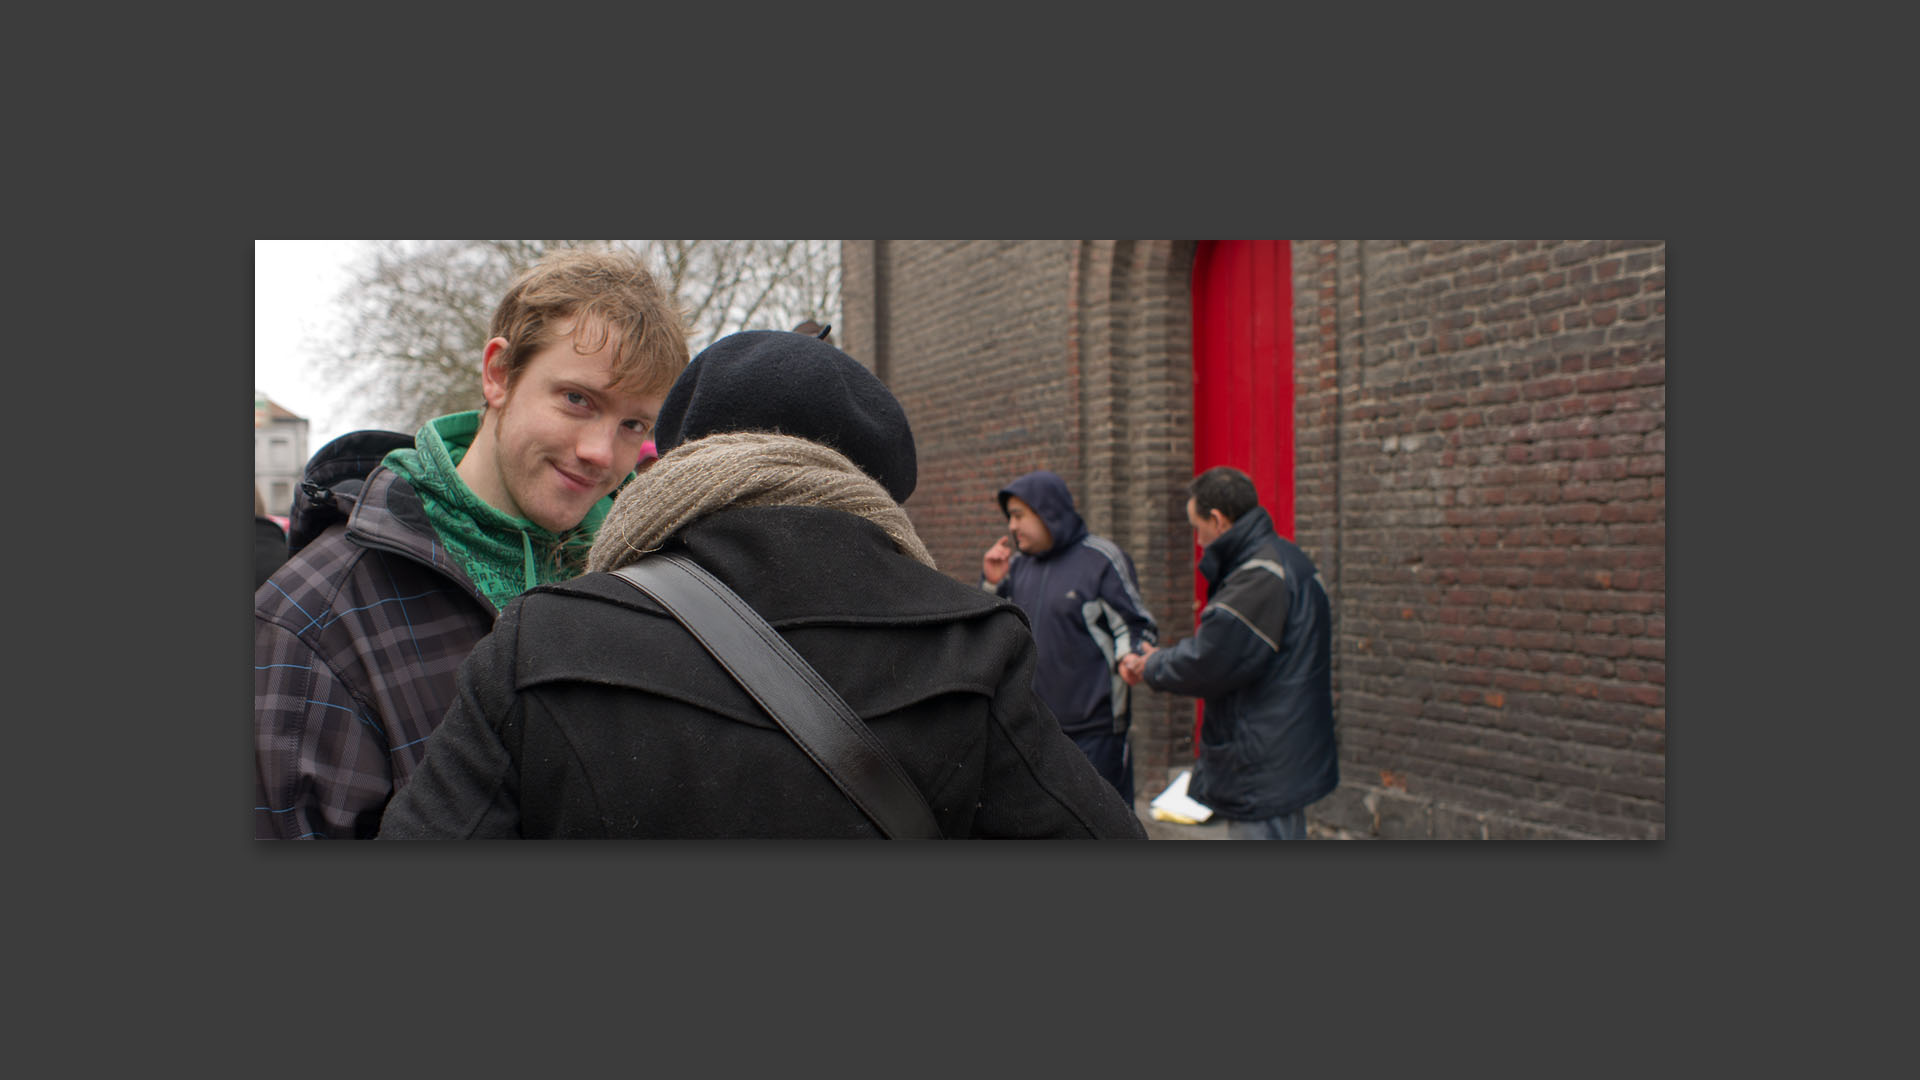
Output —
(503, 555)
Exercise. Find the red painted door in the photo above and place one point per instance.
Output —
(1243, 374)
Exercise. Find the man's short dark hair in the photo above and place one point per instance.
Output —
(1227, 490)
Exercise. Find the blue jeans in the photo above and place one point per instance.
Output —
(1111, 758)
(1285, 827)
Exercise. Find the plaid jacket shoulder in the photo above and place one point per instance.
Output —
(357, 640)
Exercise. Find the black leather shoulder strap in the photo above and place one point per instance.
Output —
(790, 691)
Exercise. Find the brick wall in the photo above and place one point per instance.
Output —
(974, 350)
(1480, 475)
(1016, 355)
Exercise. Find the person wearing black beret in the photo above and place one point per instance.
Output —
(590, 711)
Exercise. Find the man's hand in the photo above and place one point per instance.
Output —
(1133, 666)
(993, 566)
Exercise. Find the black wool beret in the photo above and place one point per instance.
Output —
(792, 384)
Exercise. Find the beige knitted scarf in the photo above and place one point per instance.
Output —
(742, 468)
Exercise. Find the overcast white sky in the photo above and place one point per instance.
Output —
(294, 283)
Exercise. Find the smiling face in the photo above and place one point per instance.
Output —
(560, 437)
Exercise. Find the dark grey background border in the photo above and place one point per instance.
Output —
(1147, 954)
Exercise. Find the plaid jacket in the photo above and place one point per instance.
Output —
(356, 642)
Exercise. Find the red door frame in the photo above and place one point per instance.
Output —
(1243, 374)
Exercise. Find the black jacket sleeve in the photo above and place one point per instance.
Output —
(1239, 634)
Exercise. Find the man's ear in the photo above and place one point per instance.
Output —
(1218, 518)
(493, 372)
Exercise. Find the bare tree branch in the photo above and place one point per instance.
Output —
(417, 311)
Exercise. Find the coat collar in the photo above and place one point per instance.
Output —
(1235, 546)
(801, 565)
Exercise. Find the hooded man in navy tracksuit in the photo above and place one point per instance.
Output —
(1082, 596)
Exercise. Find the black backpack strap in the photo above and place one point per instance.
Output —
(790, 691)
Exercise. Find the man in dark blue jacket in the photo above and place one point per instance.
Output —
(1081, 595)
(1260, 659)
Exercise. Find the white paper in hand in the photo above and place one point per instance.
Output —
(1174, 805)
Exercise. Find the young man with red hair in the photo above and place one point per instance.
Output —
(405, 550)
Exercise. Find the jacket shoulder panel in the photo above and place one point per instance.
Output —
(1256, 593)
(1116, 558)
(305, 589)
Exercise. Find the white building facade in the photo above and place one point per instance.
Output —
(279, 453)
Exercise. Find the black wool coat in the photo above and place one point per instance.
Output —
(590, 712)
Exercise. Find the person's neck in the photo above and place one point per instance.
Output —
(478, 470)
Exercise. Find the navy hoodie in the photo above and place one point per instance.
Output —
(1083, 600)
